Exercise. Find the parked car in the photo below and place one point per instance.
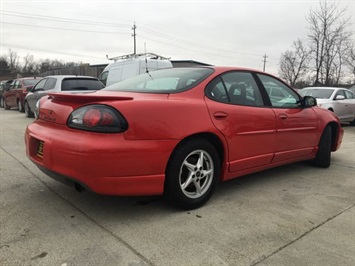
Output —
(338, 100)
(352, 89)
(14, 96)
(131, 65)
(4, 84)
(178, 132)
(59, 83)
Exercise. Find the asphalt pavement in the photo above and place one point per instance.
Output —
(291, 215)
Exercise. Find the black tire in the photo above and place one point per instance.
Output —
(28, 111)
(324, 149)
(2, 102)
(20, 107)
(192, 174)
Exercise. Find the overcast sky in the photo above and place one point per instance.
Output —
(233, 33)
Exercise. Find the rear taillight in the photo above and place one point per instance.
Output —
(97, 118)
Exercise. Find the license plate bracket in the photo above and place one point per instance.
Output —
(40, 149)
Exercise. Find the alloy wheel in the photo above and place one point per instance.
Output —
(196, 174)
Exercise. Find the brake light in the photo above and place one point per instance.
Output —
(97, 118)
(92, 118)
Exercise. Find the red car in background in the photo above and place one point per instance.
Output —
(14, 95)
(178, 132)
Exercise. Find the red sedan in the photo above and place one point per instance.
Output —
(178, 132)
(15, 94)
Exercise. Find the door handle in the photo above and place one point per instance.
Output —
(283, 116)
(220, 115)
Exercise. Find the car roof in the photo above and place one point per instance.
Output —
(230, 68)
(325, 88)
(69, 76)
(28, 78)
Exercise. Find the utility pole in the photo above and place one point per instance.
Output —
(134, 37)
(265, 56)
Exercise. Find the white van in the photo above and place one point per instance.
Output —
(127, 66)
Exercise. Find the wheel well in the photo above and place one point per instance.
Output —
(331, 109)
(334, 127)
(213, 139)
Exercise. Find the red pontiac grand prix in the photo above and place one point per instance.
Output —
(177, 132)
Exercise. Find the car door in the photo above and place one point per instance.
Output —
(237, 110)
(36, 93)
(10, 96)
(340, 104)
(297, 127)
(349, 105)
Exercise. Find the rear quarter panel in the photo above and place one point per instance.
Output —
(172, 118)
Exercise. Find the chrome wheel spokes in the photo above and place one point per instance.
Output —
(196, 174)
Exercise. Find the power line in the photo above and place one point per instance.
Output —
(60, 19)
(27, 48)
(155, 35)
(168, 44)
(45, 27)
(169, 37)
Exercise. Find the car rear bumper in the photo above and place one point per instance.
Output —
(103, 163)
(121, 186)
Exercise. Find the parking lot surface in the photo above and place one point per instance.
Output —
(291, 215)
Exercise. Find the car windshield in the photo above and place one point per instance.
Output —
(317, 93)
(74, 84)
(30, 82)
(170, 80)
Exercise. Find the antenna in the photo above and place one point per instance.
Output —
(146, 60)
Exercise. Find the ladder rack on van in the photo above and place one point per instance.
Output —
(147, 55)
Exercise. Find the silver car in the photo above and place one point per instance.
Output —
(352, 89)
(338, 100)
(59, 83)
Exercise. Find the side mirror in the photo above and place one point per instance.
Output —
(339, 97)
(309, 101)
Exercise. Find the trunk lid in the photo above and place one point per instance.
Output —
(56, 107)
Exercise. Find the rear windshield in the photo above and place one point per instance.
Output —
(170, 80)
(317, 93)
(77, 84)
(30, 82)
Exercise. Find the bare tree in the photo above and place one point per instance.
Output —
(28, 63)
(13, 61)
(350, 59)
(327, 36)
(294, 63)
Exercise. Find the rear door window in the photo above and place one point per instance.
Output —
(30, 82)
(349, 95)
(237, 88)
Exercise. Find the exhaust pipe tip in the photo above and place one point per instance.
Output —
(79, 188)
